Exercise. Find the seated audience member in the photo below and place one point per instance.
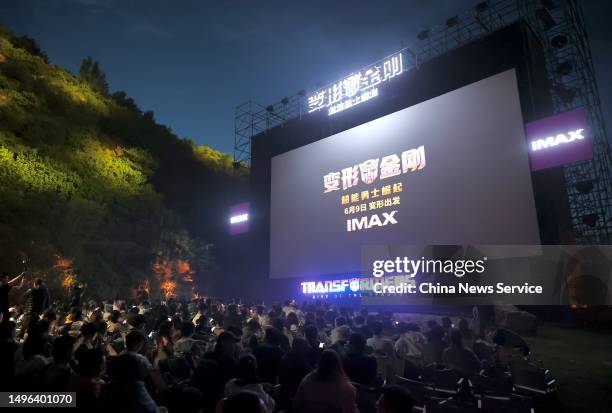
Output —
(341, 334)
(460, 358)
(87, 381)
(8, 350)
(432, 351)
(126, 390)
(409, 346)
(134, 345)
(326, 389)
(394, 399)
(56, 374)
(186, 345)
(294, 366)
(244, 402)
(247, 379)
(359, 367)
(467, 334)
(379, 344)
(269, 355)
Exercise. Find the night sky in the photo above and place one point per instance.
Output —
(193, 61)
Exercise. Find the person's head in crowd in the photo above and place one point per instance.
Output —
(253, 325)
(431, 324)
(33, 345)
(39, 283)
(76, 314)
(300, 346)
(343, 333)
(226, 343)
(273, 336)
(377, 328)
(136, 321)
(356, 344)
(135, 341)
(394, 399)
(165, 330)
(292, 320)
(127, 368)
(278, 323)
(8, 330)
(456, 339)
(243, 402)
(115, 316)
(62, 349)
(447, 324)
(329, 368)
(320, 323)
(187, 329)
(311, 333)
(91, 363)
(4, 279)
(464, 327)
(232, 309)
(435, 334)
(101, 327)
(88, 331)
(340, 321)
(42, 327)
(247, 370)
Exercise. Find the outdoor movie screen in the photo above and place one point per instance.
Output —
(450, 170)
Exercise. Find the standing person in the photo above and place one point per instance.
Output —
(327, 388)
(6, 285)
(37, 301)
(77, 293)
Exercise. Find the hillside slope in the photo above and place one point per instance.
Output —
(90, 184)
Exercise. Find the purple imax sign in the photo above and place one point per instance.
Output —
(239, 218)
(559, 140)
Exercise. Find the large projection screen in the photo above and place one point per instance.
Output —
(451, 170)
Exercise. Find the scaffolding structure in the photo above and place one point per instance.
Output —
(559, 26)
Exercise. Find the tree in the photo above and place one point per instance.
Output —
(90, 73)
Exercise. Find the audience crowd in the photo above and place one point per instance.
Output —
(206, 355)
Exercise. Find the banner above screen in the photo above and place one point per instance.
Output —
(559, 140)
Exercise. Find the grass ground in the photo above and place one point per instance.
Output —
(581, 361)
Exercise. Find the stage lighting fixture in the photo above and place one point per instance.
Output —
(565, 68)
(585, 187)
(270, 108)
(452, 22)
(566, 94)
(423, 35)
(545, 18)
(482, 6)
(285, 101)
(590, 219)
(559, 41)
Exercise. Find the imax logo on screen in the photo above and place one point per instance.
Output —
(560, 139)
(358, 224)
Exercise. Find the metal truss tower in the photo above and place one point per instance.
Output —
(559, 26)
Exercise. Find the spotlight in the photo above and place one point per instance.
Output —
(590, 219)
(584, 187)
(285, 101)
(482, 6)
(559, 41)
(423, 35)
(452, 22)
(545, 18)
(566, 94)
(565, 68)
(270, 108)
